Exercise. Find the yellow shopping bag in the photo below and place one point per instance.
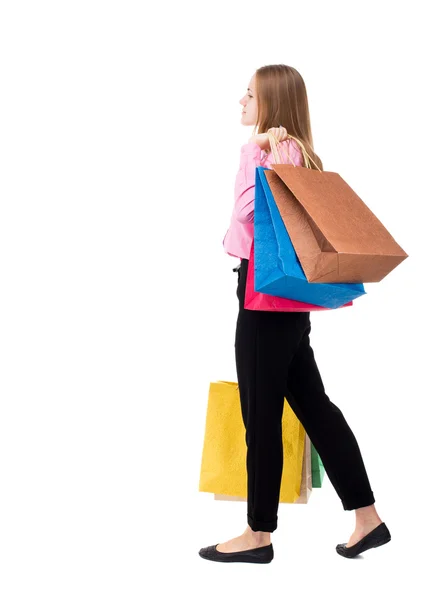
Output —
(223, 464)
(306, 478)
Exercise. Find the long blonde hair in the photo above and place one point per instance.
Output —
(281, 96)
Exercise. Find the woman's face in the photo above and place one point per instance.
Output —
(250, 107)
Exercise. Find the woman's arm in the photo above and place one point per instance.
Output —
(245, 180)
(250, 158)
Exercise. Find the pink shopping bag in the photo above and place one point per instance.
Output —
(257, 301)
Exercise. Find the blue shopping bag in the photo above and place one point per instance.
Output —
(277, 269)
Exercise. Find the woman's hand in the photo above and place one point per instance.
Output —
(280, 133)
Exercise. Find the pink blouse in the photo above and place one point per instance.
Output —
(238, 239)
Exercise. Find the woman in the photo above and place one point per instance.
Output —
(274, 358)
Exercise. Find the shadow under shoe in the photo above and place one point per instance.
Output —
(377, 537)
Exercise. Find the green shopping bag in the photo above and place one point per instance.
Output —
(317, 468)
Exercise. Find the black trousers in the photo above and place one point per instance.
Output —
(274, 360)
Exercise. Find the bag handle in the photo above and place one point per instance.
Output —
(275, 149)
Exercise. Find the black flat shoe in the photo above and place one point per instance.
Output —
(265, 554)
(377, 537)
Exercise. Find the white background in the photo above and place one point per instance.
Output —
(120, 139)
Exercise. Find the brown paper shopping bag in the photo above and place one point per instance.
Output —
(336, 237)
(306, 480)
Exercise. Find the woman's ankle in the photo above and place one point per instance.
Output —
(367, 516)
(258, 535)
